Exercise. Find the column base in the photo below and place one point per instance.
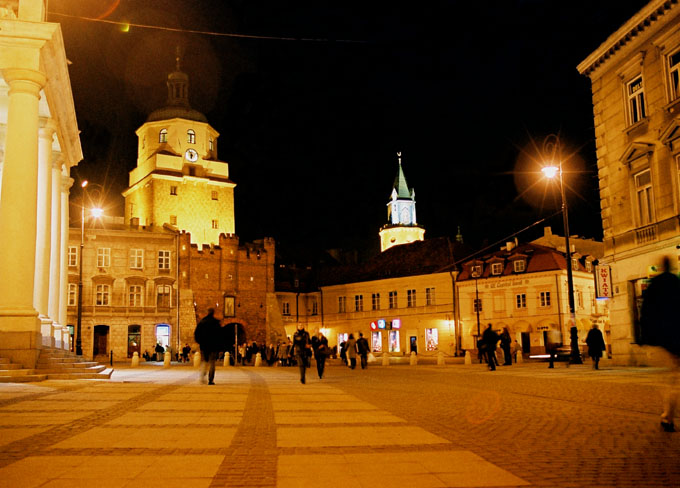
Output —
(47, 331)
(21, 347)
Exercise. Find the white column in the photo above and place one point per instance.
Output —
(18, 206)
(55, 242)
(43, 229)
(66, 183)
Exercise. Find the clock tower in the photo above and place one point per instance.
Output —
(178, 179)
(402, 226)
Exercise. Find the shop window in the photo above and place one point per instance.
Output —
(163, 334)
(342, 337)
(376, 341)
(394, 341)
(431, 339)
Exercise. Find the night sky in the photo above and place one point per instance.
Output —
(310, 127)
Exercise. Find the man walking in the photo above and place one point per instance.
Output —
(490, 338)
(595, 343)
(207, 334)
(363, 350)
(302, 348)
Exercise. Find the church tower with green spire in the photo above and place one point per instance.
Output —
(402, 226)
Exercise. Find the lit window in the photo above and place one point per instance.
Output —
(212, 144)
(643, 190)
(544, 299)
(315, 307)
(574, 264)
(375, 301)
(163, 296)
(72, 294)
(72, 256)
(589, 266)
(163, 259)
(636, 100)
(135, 296)
(342, 304)
(431, 339)
(521, 300)
(173, 220)
(358, 303)
(163, 135)
(103, 257)
(376, 341)
(520, 265)
(674, 73)
(285, 308)
(410, 298)
(191, 136)
(429, 296)
(103, 295)
(136, 258)
(476, 271)
(579, 298)
(173, 190)
(393, 299)
(496, 268)
(477, 305)
(215, 224)
(213, 195)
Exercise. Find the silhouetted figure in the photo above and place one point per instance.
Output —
(506, 342)
(302, 347)
(351, 351)
(207, 334)
(363, 350)
(321, 352)
(490, 339)
(660, 326)
(595, 343)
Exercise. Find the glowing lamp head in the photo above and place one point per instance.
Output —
(83, 184)
(97, 212)
(550, 171)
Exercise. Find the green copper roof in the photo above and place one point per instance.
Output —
(400, 184)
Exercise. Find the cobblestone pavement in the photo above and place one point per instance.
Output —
(396, 426)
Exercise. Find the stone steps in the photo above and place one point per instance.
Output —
(14, 373)
(102, 374)
(26, 378)
(58, 364)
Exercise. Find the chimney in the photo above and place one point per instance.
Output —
(509, 246)
(547, 231)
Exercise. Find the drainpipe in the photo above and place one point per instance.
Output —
(454, 312)
(559, 306)
(179, 337)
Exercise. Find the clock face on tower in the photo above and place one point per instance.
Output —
(191, 155)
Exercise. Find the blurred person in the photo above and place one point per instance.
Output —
(302, 346)
(321, 352)
(363, 350)
(595, 343)
(351, 351)
(490, 339)
(207, 335)
(506, 342)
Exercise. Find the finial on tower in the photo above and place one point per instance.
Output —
(399, 157)
(178, 57)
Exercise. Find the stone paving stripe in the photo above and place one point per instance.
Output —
(205, 397)
(42, 405)
(321, 398)
(11, 434)
(355, 436)
(309, 406)
(39, 418)
(91, 396)
(200, 418)
(151, 438)
(192, 406)
(336, 417)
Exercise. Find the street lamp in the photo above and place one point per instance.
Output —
(95, 212)
(552, 145)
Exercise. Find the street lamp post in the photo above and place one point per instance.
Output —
(551, 171)
(79, 344)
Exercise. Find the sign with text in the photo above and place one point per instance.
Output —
(603, 282)
(396, 323)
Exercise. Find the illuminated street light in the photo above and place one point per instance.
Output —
(551, 145)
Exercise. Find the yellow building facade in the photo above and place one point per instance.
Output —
(635, 76)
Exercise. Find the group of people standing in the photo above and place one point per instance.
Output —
(488, 344)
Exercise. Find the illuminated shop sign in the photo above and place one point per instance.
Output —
(381, 324)
(396, 323)
(374, 326)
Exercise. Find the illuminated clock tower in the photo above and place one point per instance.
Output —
(178, 179)
(402, 226)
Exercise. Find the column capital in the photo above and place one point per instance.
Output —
(21, 80)
(66, 183)
(58, 161)
(47, 127)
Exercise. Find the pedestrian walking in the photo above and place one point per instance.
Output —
(302, 347)
(159, 350)
(343, 351)
(207, 334)
(516, 349)
(351, 352)
(363, 350)
(185, 353)
(490, 339)
(595, 343)
(321, 352)
(506, 342)
(660, 327)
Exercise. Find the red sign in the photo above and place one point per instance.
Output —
(603, 281)
(374, 326)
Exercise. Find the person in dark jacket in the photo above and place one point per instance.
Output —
(490, 338)
(506, 342)
(660, 327)
(363, 350)
(321, 352)
(595, 343)
(302, 346)
(208, 334)
(351, 351)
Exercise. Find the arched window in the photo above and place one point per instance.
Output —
(163, 135)
(191, 136)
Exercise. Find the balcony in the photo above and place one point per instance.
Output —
(646, 234)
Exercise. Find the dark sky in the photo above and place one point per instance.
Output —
(467, 91)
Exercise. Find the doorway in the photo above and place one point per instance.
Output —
(101, 340)
(413, 342)
(526, 342)
(134, 339)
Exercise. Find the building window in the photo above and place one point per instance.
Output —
(579, 299)
(173, 220)
(285, 308)
(136, 258)
(215, 224)
(636, 100)
(72, 256)
(393, 299)
(574, 264)
(476, 271)
(544, 299)
(212, 144)
(229, 306)
(163, 296)
(431, 339)
(477, 305)
(103, 257)
(496, 268)
(429, 296)
(589, 266)
(315, 307)
(213, 195)
(102, 296)
(376, 341)
(358, 303)
(674, 74)
(135, 296)
(173, 190)
(521, 300)
(410, 298)
(163, 135)
(191, 136)
(163, 259)
(375, 301)
(342, 304)
(519, 265)
(72, 294)
(643, 191)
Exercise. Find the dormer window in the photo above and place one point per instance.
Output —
(519, 265)
(589, 266)
(163, 136)
(496, 268)
(476, 271)
(574, 264)
(191, 136)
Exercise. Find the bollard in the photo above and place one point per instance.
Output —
(197, 359)
(111, 363)
(135, 360)
(166, 360)
(258, 359)
(226, 359)
(440, 358)
(414, 359)
(385, 359)
(468, 358)
(519, 359)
